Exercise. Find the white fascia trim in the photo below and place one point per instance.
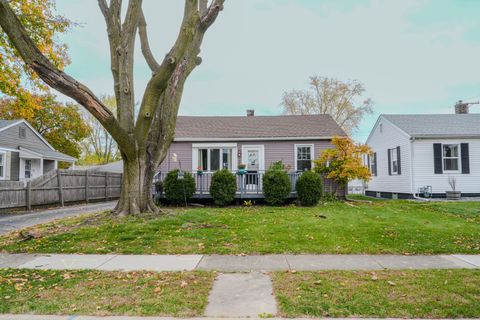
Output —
(8, 149)
(214, 145)
(31, 128)
(312, 153)
(252, 139)
(377, 123)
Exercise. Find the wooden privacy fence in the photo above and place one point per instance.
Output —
(60, 187)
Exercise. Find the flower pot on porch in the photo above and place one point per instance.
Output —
(199, 172)
(242, 171)
(453, 195)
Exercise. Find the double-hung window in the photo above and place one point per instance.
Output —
(451, 157)
(213, 159)
(2, 165)
(303, 157)
(394, 160)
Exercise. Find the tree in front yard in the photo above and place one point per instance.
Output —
(344, 162)
(143, 140)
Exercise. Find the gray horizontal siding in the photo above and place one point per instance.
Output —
(274, 151)
(10, 138)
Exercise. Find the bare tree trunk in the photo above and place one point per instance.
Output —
(136, 194)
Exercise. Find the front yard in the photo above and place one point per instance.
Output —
(381, 227)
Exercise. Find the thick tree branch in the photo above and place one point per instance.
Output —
(145, 46)
(54, 77)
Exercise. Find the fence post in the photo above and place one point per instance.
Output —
(86, 186)
(60, 187)
(106, 185)
(28, 197)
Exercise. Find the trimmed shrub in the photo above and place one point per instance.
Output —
(177, 191)
(309, 188)
(276, 186)
(223, 187)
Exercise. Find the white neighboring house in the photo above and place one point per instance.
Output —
(24, 153)
(411, 152)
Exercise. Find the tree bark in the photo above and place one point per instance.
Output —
(143, 143)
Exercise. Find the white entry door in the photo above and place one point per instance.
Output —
(253, 156)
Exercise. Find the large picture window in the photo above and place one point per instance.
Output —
(213, 159)
(451, 156)
(303, 157)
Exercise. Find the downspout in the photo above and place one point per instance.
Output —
(414, 195)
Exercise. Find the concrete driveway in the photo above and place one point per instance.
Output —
(10, 222)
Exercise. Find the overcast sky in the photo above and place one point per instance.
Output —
(412, 56)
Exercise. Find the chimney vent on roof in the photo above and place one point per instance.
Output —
(463, 107)
(250, 112)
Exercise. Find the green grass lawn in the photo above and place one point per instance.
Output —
(104, 293)
(399, 294)
(333, 227)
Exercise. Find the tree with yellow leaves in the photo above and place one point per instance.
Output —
(344, 163)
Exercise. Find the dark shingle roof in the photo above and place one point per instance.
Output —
(437, 125)
(190, 127)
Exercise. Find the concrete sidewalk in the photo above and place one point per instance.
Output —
(11, 222)
(236, 263)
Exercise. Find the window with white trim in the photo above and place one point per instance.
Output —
(303, 154)
(2, 165)
(213, 159)
(451, 157)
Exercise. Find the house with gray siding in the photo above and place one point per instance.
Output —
(213, 143)
(205, 144)
(417, 155)
(24, 153)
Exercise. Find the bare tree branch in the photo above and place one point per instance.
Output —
(147, 53)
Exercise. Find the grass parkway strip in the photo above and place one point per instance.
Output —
(381, 227)
(182, 294)
(380, 294)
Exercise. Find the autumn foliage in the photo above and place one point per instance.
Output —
(344, 163)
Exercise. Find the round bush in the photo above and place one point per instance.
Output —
(177, 190)
(276, 186)
(223, 187)
(309, 188)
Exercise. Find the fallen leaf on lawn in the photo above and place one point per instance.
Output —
(183, 284)
(7, 297)
(391, 283)
(317, 282)
(374, 278)
(293, 271)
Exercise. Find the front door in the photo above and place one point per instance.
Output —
(253, 157)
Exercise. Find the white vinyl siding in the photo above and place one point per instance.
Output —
(381, 142)
(424, 166)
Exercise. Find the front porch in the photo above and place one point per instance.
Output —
(249, 185)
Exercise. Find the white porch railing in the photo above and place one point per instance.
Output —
(250, 183)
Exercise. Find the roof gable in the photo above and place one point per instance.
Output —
(7, 124)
